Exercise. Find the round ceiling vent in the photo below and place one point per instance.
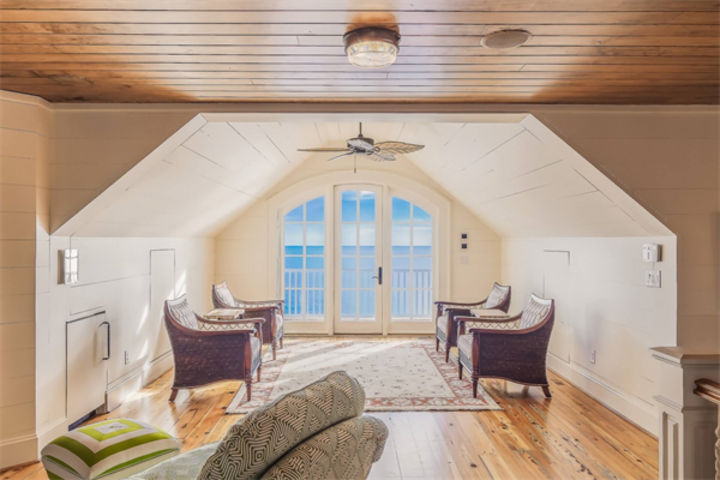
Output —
(505, 39)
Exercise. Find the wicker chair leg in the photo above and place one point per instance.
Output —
(173, 394)
(447, 352)
(248, 386)
(274, 348)
(437, 344)
(460, 368)
(281, 341)
(546, 391)
(475, 381)
(259, 369)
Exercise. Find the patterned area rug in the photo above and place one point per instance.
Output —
(400, 376)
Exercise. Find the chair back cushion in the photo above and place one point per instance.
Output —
(535, 311)
(257, 441)
(497, 296)
(182, 313)
(224, 295)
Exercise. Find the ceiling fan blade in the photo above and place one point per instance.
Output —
(381, 157)
(324, 149)
(398, 147)
(347, 154)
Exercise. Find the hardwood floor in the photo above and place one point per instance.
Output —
(570, 436)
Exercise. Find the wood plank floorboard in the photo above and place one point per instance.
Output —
(571, 436)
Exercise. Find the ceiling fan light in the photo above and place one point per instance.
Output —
(372, 47)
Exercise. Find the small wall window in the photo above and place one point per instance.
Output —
(412, 262)
(304, 261)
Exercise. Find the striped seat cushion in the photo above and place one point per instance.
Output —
(112, 449)
(465, 345)
(442, 323)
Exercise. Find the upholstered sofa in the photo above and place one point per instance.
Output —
(318, 432)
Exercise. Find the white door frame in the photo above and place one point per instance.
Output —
(358, 327)
(430, 199)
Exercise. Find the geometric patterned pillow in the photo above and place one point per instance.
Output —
(224, 293)
(533, 313)
(497, 296)
(260, 439)
(344, 451)
(112, 449)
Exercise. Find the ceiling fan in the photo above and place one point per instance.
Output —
(361, 145)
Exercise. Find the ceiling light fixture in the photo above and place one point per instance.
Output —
(372, 47)
(506, 39)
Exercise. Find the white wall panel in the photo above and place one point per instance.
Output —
(24, 130)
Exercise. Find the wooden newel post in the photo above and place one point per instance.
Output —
(710, 391)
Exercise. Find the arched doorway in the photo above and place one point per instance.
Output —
(361, 257)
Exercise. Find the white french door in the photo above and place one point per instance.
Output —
(358, 259)
(372, 261)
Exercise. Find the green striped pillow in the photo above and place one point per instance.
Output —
(109, 450)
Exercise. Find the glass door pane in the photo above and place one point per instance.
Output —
(359, 259)
(412, 263)
(304, 262)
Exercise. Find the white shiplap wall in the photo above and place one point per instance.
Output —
(668, 159)
(24, 139)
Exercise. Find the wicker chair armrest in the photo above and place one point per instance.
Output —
(459, 305)
(260, 310)
(515, 331)
(258, 303)
(241, 321)
(208, 333)
(488, 319)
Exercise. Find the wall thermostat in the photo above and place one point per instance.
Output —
(651, 253)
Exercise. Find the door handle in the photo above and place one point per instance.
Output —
(379, 276)
(107, 357)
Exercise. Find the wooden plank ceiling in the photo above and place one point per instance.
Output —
(583, 51)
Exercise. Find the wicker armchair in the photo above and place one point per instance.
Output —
(446, 330)
(207, 351)
(513, 349)
(270, 310)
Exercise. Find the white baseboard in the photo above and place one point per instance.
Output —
(113, 398)
(51, 432)
(135, 382)
(619, 402)
(17, 451)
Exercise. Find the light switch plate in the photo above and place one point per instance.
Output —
(651, 253)
(652, 278)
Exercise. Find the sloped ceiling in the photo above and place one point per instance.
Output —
(510, 170)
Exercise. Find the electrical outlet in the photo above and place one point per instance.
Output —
(652, 278)
(592, 356)
(127, 357)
